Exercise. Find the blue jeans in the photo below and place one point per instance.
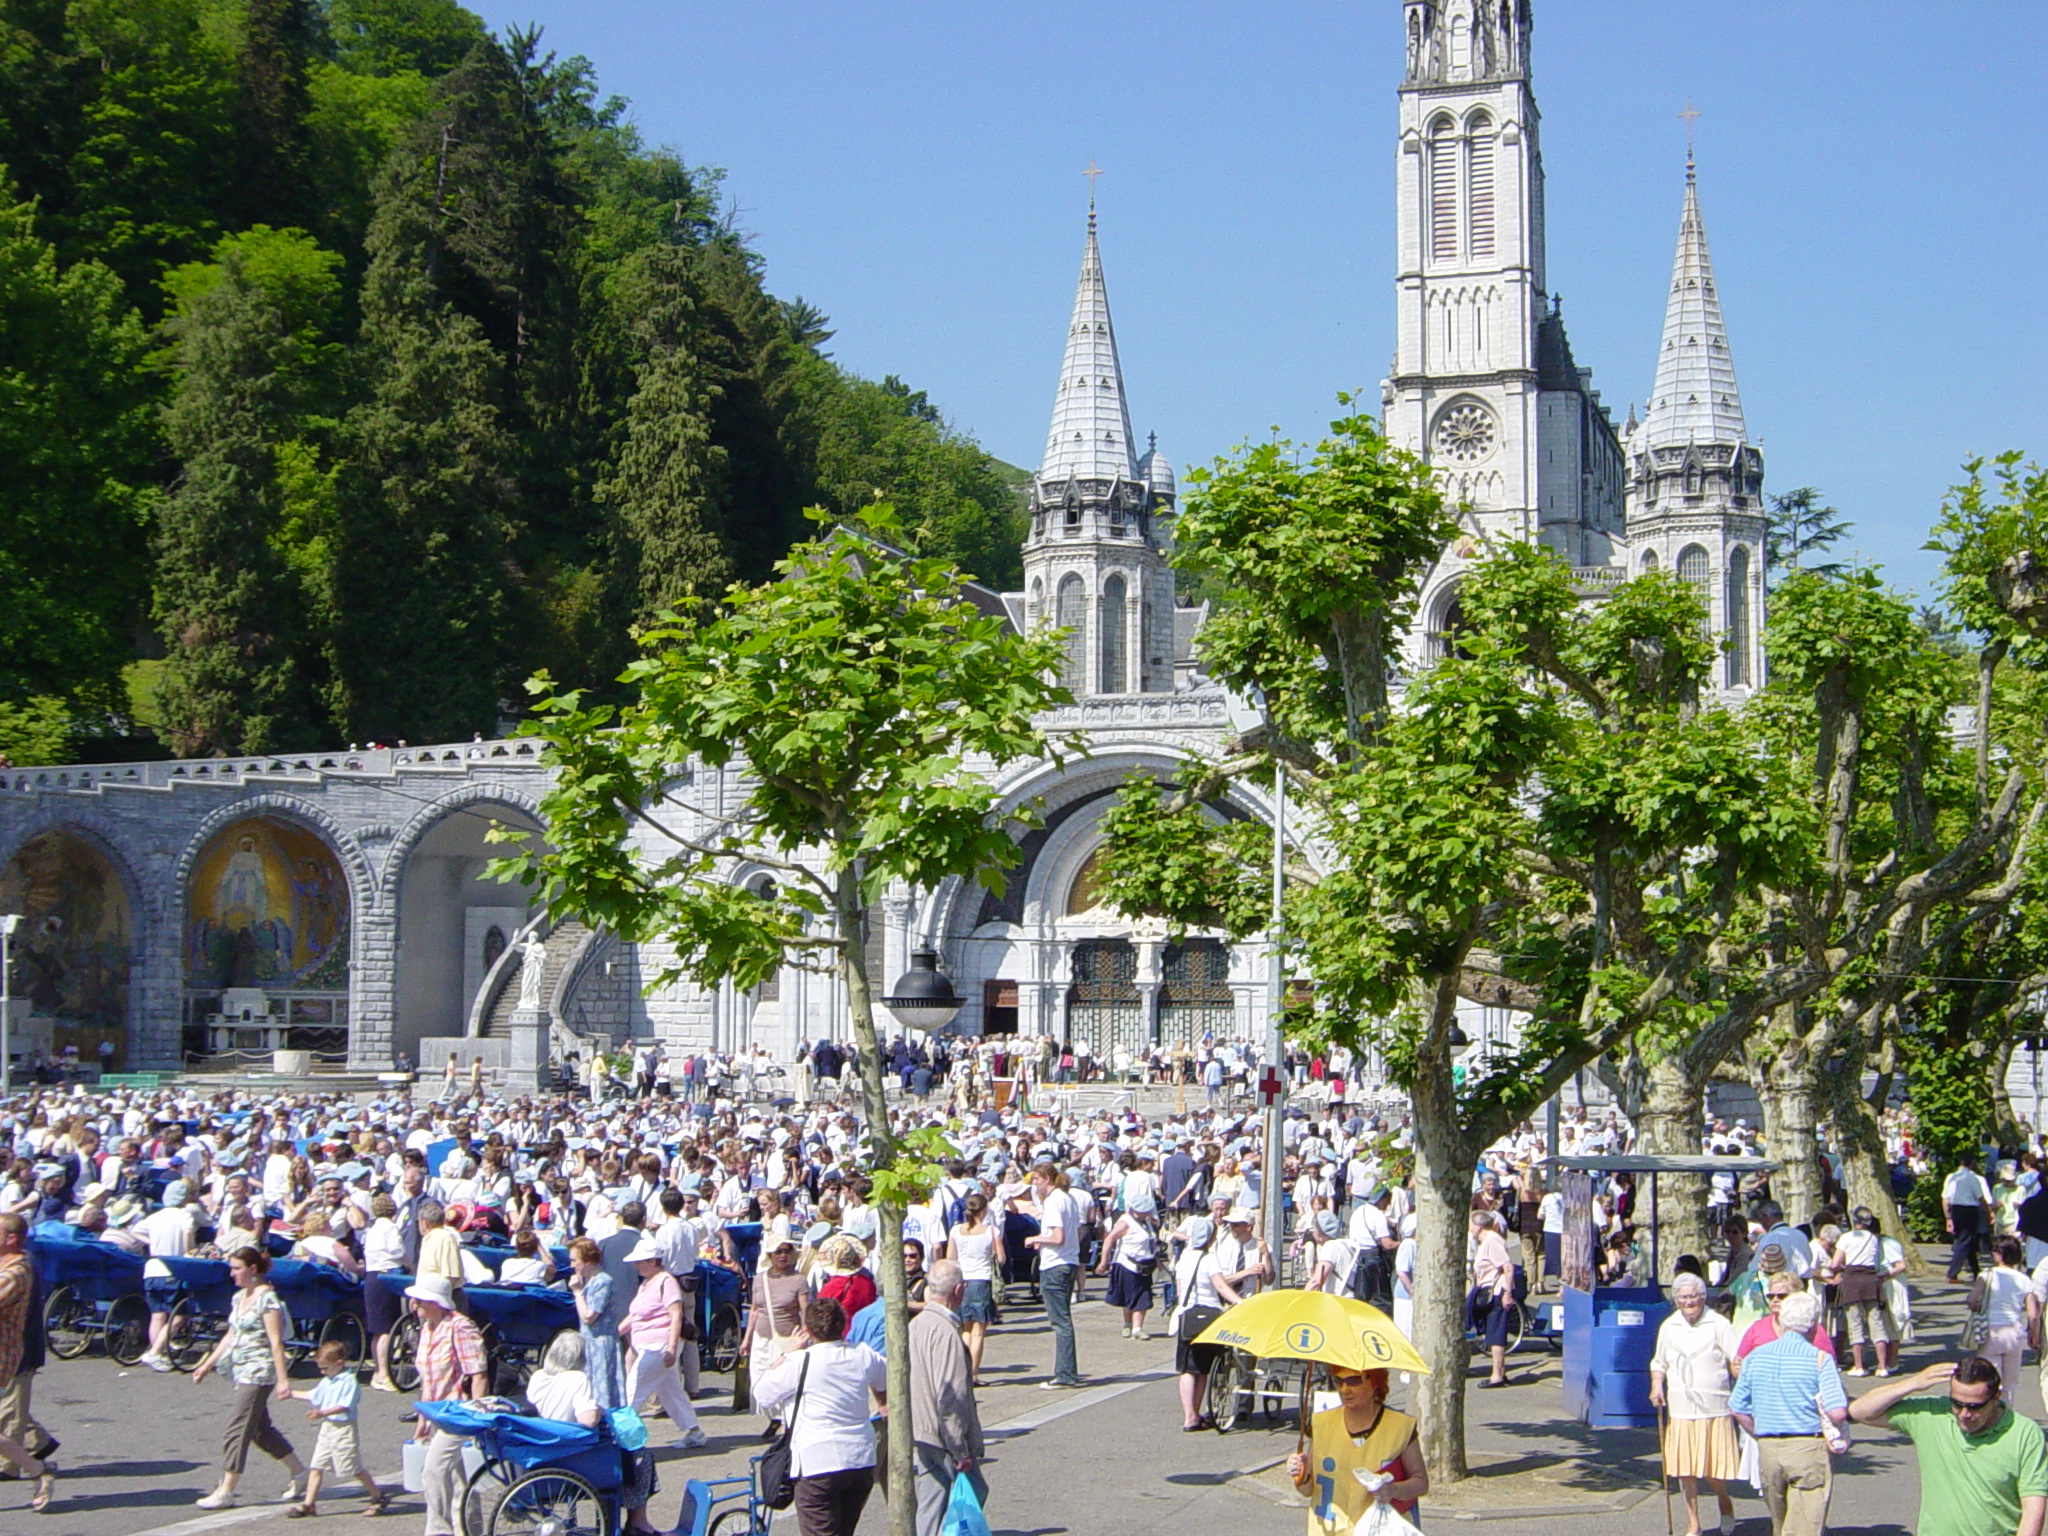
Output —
(1057, 1287)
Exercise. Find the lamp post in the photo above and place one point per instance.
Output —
(923, 997)
(1247, 714)
(8, 923)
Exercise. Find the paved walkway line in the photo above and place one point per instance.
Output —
(246, 1514)
(1074, 1402)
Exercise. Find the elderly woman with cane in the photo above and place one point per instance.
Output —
(1691, 1375)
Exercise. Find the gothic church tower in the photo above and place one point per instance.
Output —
(1483, 382)
(1095, 555)
(1695, 493)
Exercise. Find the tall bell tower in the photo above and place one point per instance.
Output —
(1483, 384)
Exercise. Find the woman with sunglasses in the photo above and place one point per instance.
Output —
(1360, 1434)
(1781, 1284)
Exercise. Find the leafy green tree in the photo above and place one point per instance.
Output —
(1796, 526)
(249, 353)
(855, 691)
(399, 37)
(75, 471)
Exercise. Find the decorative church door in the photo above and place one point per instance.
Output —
(1103, 1006)
(1194, 996)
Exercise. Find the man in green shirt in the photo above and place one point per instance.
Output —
(1983, 1467)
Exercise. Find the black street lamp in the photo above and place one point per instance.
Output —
(923, 997)
(1457, 1039)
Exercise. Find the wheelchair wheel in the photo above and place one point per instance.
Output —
(549, 1502)
(722, 1344)
(67, 1323)
(127, 1329)
(405, 1344)
(1227, 1384)
(481, 1496)
(737, 1521)
(183, 1346)
(1518, 1325)
(346, 1329)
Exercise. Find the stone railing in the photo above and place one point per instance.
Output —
(371, 762)
(1139, 710)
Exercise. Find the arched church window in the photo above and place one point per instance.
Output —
(1649, 560)
(1479, 185)
(1114, 628)
(1738, 617)
(1071, 618)
(1443, 190)
(1692, 570)
(1034, 611)
(1461, 47)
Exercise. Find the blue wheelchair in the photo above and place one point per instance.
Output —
(537, 1477)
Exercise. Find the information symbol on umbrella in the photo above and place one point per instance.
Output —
(1376, 1346)
(1305, 1337)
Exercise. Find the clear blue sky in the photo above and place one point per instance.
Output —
(1870, 177)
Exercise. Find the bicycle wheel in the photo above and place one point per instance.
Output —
(184, 1346)
(737, 1521)
(549, 1502)
(405, 1343)
(722, 1344)
(346, 1329)
(127, 1329)
(1518, 1325)
(481, 1496)
(67, 1323)
(1227, 1385)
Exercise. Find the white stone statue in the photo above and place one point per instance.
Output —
(533, 961)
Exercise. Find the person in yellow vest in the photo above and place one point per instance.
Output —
(1360, 1435)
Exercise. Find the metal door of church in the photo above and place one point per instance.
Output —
(1195, 997)
(1103, 1006)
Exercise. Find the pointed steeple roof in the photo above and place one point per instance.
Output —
(1090, 437)
(1694, 399)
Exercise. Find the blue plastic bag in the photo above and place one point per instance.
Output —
(628, 1428)
(963, 1510)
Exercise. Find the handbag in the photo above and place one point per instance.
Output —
(963, 1515)
(778, 1487)
(1976, 1326)
(1193, 1320)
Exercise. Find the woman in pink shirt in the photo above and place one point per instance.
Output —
(653, 1326)
(1765, 1328)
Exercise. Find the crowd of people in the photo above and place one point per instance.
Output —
(641, 1178)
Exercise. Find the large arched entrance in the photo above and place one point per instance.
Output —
(72, 951)
(453, 922)
(266, 942)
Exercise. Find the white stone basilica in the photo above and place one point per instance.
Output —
(337, 902)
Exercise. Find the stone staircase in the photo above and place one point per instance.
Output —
(563, 943)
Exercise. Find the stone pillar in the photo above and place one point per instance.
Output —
(373, 1030)
(526, 1052)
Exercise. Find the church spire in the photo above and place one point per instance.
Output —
(1090, 436)
(1694, 399)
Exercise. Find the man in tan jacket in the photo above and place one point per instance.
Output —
(945, 1423)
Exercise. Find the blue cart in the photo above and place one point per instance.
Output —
(95, 1292)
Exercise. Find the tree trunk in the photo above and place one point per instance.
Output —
(1668, 1125)
(1789, 1091)
(851, 917)
(1865, 1177)
(2005, 1124)
(1443, 1199)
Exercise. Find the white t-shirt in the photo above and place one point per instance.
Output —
(2005, 1297)
(1550, 1210)
(383, 1246)
(1369, 1227)
(561, 1396)
(1965, 1187)
(1060, 1210)
(977, 1252)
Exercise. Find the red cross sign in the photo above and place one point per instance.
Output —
(1269, 1086)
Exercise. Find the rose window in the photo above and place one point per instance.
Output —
(1464, 434)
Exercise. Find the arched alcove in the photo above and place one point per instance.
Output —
(73, 951)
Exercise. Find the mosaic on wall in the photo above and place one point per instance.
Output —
(71, 953)
(268, 907)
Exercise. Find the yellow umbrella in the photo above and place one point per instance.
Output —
(1314, 1325)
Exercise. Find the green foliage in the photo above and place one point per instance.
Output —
(1994, 532)
(35, 732)
(415, 185)
(1320, 563)
(74, 469)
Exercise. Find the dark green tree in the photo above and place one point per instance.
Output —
(248, 362)
(1796, 527)
(394, 37)
(75, 470)
(272, 181)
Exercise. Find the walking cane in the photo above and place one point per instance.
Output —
(1664, 1471)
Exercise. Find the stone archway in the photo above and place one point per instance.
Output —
(74, 951)
(268, 921)
(447, 913)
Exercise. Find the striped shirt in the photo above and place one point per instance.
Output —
(1780, 1382)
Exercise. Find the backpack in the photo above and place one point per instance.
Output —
(956, 1208)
